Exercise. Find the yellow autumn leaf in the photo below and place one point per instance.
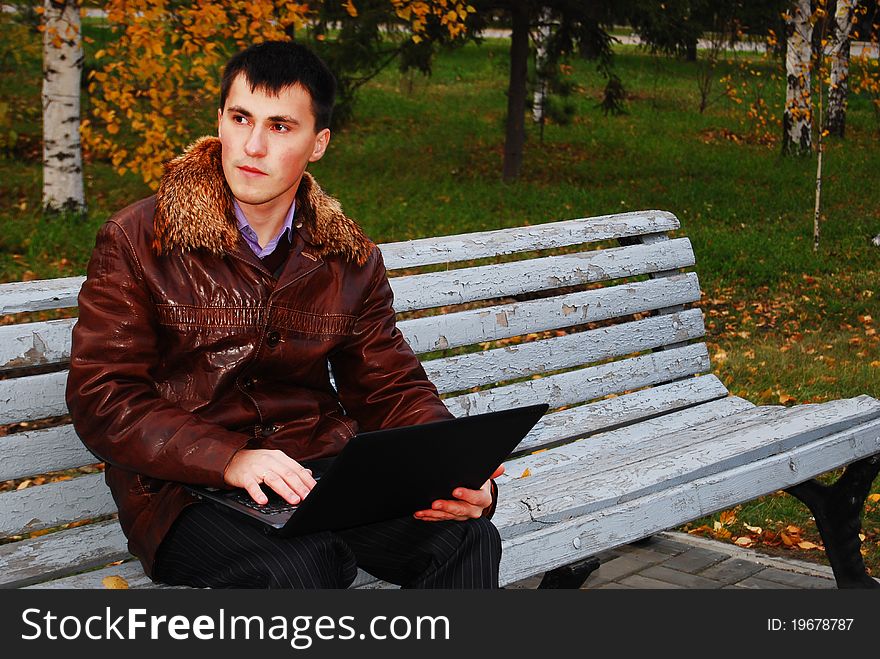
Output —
(794, 530)
(785, 399)
(114, 582)
(806, 544)
(744, 541)
(727, 517)
(757, 530)
(874, 497)
(351, 9)
(787, 541)
(526, 473)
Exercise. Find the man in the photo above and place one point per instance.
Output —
(207, 321)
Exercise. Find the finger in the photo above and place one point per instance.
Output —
(299, 481)
(253, 488)
(457, 508)
(294, 472)
(481, 498)
(437, 516)
(280, 486)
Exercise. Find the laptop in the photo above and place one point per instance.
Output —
(389, 473)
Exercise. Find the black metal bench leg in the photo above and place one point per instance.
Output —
(837, 510)
(570, 576)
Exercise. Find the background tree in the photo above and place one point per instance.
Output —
(797, 117)
(62, 71)
(844, 18)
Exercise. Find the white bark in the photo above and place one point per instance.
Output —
(541, 38)
(797, 121)
(837, 91)
(62, 70)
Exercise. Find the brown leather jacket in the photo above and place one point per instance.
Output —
(187, 349)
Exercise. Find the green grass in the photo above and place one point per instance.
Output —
(423, 157)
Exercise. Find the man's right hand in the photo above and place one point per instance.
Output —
(251, 467)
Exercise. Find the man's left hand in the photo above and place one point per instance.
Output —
(468, 504)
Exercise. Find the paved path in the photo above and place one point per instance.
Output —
(678, 560)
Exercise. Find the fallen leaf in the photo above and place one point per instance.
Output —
(727, 517)
(785, 399)
(793, 529)
(744, 541)
(787, 541)
(806, 544)
(874, 497)
(526, 473)
(114, 583)
(754, 529)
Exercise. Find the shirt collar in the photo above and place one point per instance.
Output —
(250, 235)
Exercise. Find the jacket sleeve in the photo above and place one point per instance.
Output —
(381, 383)
(115, 406)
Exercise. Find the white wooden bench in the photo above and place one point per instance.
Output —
(640, 437)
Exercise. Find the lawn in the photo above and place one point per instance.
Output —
(423, 157)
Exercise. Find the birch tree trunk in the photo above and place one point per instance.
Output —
(797, 119)
(541, 38)
(62, 70)
(837, 91)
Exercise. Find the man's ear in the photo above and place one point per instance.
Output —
(322, 140)
(219, 120)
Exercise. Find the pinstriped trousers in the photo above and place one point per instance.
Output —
(210, 547)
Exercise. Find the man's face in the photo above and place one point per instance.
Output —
(267, 143)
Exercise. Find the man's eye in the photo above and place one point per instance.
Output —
(239, 119)
(281, 128)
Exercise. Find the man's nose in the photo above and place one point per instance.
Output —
(255, 146)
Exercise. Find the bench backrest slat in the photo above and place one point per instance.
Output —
(588, 383)
(543, 356)
(53, 504)
(48, 342)
(32, 397)
(41, 451)
(39, 295)
(481, 244)
(440, 289)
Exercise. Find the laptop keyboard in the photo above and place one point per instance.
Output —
(275, 505)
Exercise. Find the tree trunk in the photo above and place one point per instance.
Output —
(837, 91)
(62, 70)
(515, 138)
(540, 95)
(797, 119)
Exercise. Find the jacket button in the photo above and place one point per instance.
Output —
(273, 338)
(248, 383)
(268, 430)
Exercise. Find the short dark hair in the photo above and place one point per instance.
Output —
(274, 65)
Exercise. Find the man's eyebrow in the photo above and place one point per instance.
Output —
(284, 119)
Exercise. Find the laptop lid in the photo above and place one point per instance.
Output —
(394, 472)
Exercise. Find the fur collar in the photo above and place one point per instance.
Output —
(194, 210)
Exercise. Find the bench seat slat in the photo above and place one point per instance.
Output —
(439, 289)
(477, 369)
(550, 545)
(587, 384)
(667, 459)
(444, 249)
(53, 504)
(506, 320)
